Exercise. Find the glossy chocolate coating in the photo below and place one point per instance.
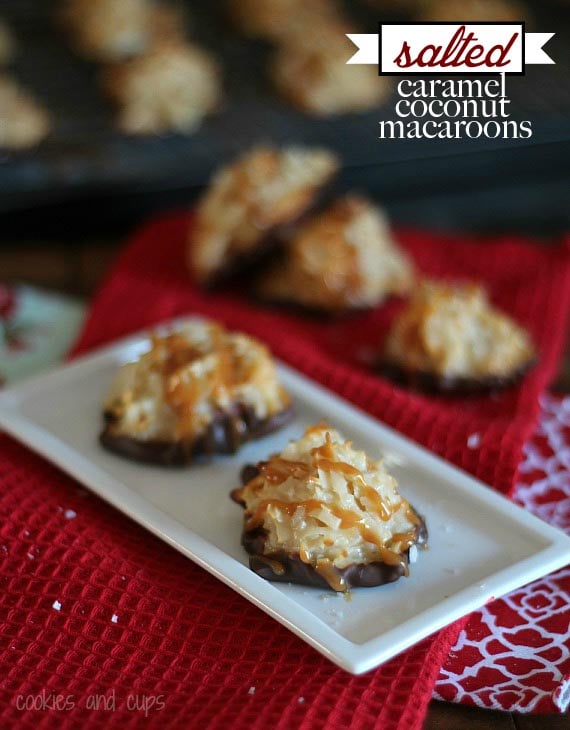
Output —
(225, 434)
(430, 383)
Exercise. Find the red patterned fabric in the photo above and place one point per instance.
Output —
(514, 654)
(113, 628)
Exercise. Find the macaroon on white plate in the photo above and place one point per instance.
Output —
(481, 546)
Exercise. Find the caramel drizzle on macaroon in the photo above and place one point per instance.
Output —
(172, 357)
(277, 470)
(182, 391)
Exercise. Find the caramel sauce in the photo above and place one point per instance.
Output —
(327, 570)
(384, 512)
(392, 558)
(411, 515)
(337, 466)
(277, 567)
(317, 428)
(406, 539)
(278, 470)
(326, 450)
(174, 354)
(325, 458)
(289, 508)
(348, 519)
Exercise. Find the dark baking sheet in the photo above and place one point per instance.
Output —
(85, 156)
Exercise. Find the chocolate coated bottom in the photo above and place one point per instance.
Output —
(430, 383)
(284, 567)
(225, 434)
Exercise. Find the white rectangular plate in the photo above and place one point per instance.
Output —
(481, 545)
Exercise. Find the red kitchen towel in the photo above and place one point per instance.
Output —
(102, 625)
(150, 283)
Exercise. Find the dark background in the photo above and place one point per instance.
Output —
(88, 175)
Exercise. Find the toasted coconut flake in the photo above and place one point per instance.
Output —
(453, 331)
(329, 506)
(248, 200)
(345, 258)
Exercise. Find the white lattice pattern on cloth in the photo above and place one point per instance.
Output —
(514, 654)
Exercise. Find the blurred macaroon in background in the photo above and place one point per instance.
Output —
(111, 112)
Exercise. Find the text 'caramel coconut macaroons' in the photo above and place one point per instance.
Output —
(24, 122)
(310, 71)
(449, 337)
(198, 390)
(344, 258)
(323, 513)
(248, 204)
(170, 88)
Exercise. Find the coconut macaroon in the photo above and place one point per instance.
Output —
(344, 258)
(250, 203)
(170, 88)
(450, 338)
(471, 11)
(23, 121)
(107, 30)
(276, 20)
(7, 44)
(311, 72)
(197, 391)
(324, 514)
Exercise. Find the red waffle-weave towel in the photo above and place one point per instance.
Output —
(150, 283)
(104, 626)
